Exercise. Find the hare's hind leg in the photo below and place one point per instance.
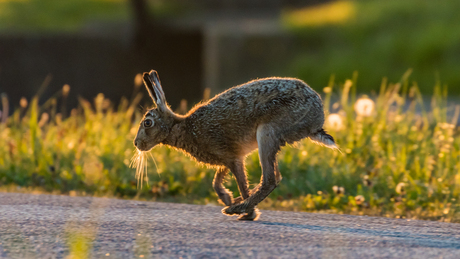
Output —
(269, 146)
(278, 180)
(224, 194)
(238, 170)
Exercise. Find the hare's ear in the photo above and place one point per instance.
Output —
(153, 85)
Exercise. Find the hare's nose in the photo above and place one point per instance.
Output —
(136, 142)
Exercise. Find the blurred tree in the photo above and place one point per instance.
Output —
(143, 20)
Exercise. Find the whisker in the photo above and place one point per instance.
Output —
(154, 162)
(138, 161)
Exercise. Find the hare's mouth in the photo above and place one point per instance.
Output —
(142, 146)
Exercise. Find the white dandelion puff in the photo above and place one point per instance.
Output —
(364, 107)
(359, 199)
(400, 188)
(335, 122)
(338, 190)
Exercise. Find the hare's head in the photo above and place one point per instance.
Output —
(157, 122)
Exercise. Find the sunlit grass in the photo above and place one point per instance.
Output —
(330, 13)
(401, 156)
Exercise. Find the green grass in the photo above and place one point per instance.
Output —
(398, 144)
(38, 16)
(378, 38)
(70, 16)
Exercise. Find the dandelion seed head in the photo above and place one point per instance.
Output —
(334, 122)
(23, 102)
(366, 181)
(401, 188)
(65, 90)
(364, 107)
(327, 89)
(338, 190)
(359, 199)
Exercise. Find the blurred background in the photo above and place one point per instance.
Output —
(99, 46)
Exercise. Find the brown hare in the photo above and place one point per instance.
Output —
(265, 114)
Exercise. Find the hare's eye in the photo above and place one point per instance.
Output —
(148, 123)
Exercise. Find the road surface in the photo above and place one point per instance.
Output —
(47, 226)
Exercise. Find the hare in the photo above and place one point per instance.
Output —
(265, 114)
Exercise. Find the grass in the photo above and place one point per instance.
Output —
(70, 16)
(38, 16)
(378, 38)
(399, 159)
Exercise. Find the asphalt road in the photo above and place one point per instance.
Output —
(47, 226)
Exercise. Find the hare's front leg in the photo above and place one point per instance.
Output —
(224, 194)
(269, 146)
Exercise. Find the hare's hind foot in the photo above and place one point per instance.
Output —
(240, 208)
(252, 216)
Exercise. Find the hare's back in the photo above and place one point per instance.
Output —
(230, 119)
(266, 98)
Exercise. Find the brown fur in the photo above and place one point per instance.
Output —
(266, 114)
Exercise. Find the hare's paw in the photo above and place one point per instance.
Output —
(235, 209)
(252, 216)
(227, 211)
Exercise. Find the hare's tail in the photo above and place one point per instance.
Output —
(322, 138)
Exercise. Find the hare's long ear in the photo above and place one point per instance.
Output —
(153, 85)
